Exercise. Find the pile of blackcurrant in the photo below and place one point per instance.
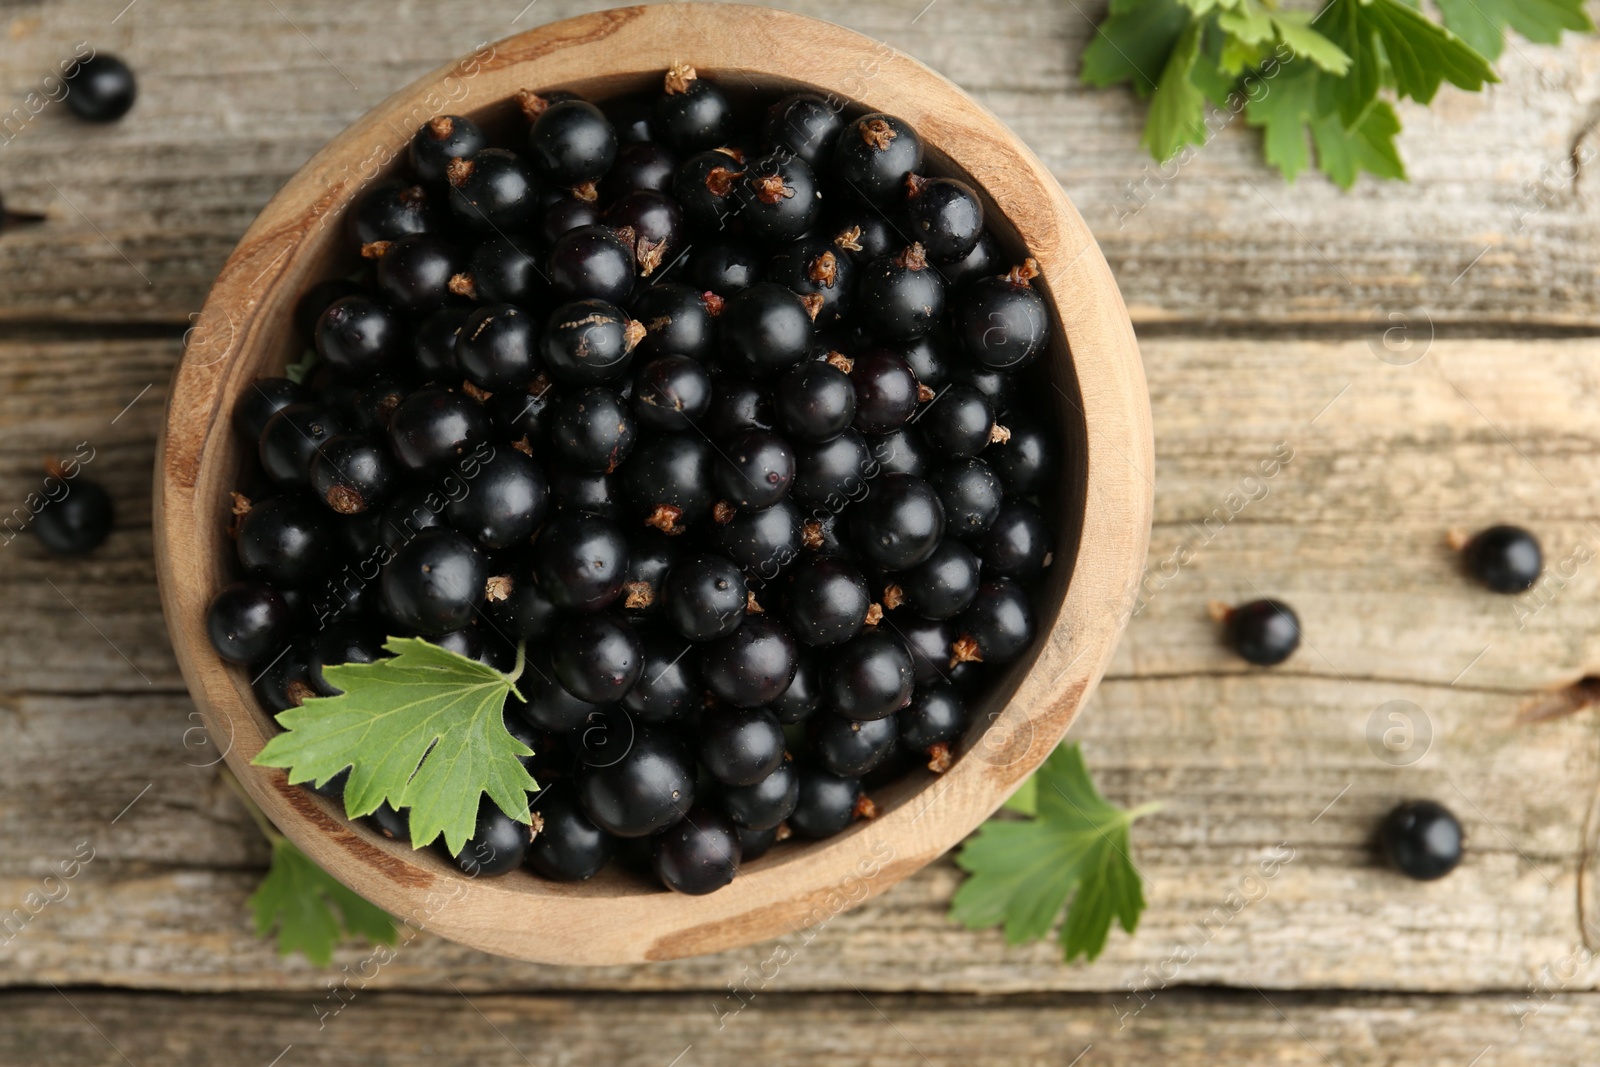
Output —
(717, 405)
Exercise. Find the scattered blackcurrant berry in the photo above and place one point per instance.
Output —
(1264, 632)
(1421, 840)
(1507, 559)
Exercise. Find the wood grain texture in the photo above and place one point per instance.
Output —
(1219, 241)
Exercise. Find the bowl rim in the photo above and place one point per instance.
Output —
(633, 925)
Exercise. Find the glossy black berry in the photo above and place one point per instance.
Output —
(314, 301)
(932, 357)
(669, 684)
(648, 789)
(286, 682)
(762, 805)
(754, 469)
(248, 622)
(597, 657)
(984, 259)
(1000, 386)
(903, 451)
(1026, 461)
(1421, 840)
(571, 143)
(850, 747)
(762, 541)
(863, 233)
(668, 481)
(283, 540)
(498, 844)
(971, 494)
(651, 554)
(652, 223)
(561, 216)
(999, 623)
(778, 198)
(101, 89)
(936, 716)
(698, 855)
(706, 187)
(493, 191)
(725, 266)
(353, 472)
(505, 502)
(958, 422)
(375, 402)
(705, 597)
(594, 493)
(76, 523)
(291, 438)
(434, 345)
(519, 610)
(262, 399)
(592, 263)
(414, 273)
(568, 847)
(1507, 559)
(826, 600)
(943, 585)
(811, 267)
(588, 342)
(440, 140)
(1002, 320)
(740, 746)
(677, 321)
(591, 429)
(505, 270)
(580, 561)
(765, 330)
(752, 665)
(870, 677)
(496, 348)
(886, 390)
(827, 803)
(391, 823)
(639, 165)
(928, 641)
(693, 114)
(874, 154)
(390, 210)
(1018, 544)
(753, 844)
(671, 393)
(815, 401)
(1264, 632)
(900, 522)
(901, 296)
(804, 124)
(435, 582)
(550, 707)
(830, 475)
(944, 215)
(737, 404)
(434, 427)
(357, 335)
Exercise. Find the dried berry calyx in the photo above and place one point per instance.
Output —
(719, 180)
(824, 270)
(999, 434)
(878, 133)
(813, 304)
(939, 758)
(633, 333)
(375, 249)
(638, 595)
(964, 650)
(664, 517)
(770, 189)
(723, 512)
(458, 171)
(463, 285)
(532, 104)
(498, 588)
(678, 79)
(1023, 273)
(442, 126)
(849, 239)
(913, 258)
(841, 361)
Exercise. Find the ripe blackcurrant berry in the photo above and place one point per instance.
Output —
(851, 747)
(778, 198)
(998, 626)
(286, 683)
(439, 141)
(569, 848)
(804, 124)
(677, 321)
(571, 143)
(284, 541)
(588, 342)
(393, 824)
(886, 390)
(901, 296)
(76, 523)
(668, 481)
(946, 216)
(504, 270)
(580, 561)
(290, 440)
(932, 356)
(764, 804)
(550, 706)
(1002, 320)
(495, 347)
(497, 846)
(815, 401)
(705, 187)
(358, 336)
(505, 502)
(639, 165)
(698, 855)
(1507, 559)
(592, 263)
(1026, 459)
(740, 746)
(811, 267)
(591, 429)
(870, 677)
(435, 345)
(648, 789)
(434, 427)
(563, 215)
(754, 469)
(1264, 632)
(1019, 544)
(826, 601)
(597, 657)
(863, 234)
(352, 472)
(375, 403)
(936, 716)
(101, 89)
(830, 475)
(972, 495)
(317, 299)
(827, 803)
(434, 583)
(520, 610)
(737, 405)
(1421, 839)
(958, 421)
(765, 329)
(928, 641)
(655, 222)
(943, 585)
(669, 686)
(705, 597)
(874, 154)
(390, 210)
(803, 696)
(999, 386)
(595, 494)
(693, 114)
(414, 272)
(752, 665)
(671, 393)
(262, 399)
(902, 451)
(725, 266)
(493, 190)
(761, 540)
(248, 622)
(900, 522)
(651, 554)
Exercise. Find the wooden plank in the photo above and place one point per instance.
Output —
(83, 1027)
(1490, 232)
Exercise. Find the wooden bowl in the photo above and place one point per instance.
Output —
(1095, 384)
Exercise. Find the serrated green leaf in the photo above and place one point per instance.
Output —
(1249, 23)
(1342, 154)
(1025, 801)
(1341, 23)
(1177, 108)
(1294, 29)
(1022, 873)
(311, 910)
(1203, 7)
(1417, 53)
(1483, 23)
(423, 730)
(1133, 43)
(1282, 112)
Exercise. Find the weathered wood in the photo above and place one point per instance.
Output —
(219, 128)
(82, 1027)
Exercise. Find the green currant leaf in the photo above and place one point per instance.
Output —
(1418, 54)
(312, 911)
(1342, 154)
(1132, 44)
(1483, 23)
(1177, 109)
(1282, 113)
(1022, 873)
(1294, 29)
(424, 729)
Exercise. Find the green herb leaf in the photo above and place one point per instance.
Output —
(423, 730)
(1022, 872)
(1417, 54)
(1294, 29)
(1342, 153)
(1283, 112)
(1132, 44)
(1482, 23)
(311, 910)
(1177, 110)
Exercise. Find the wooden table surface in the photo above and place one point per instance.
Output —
(1424, 352)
